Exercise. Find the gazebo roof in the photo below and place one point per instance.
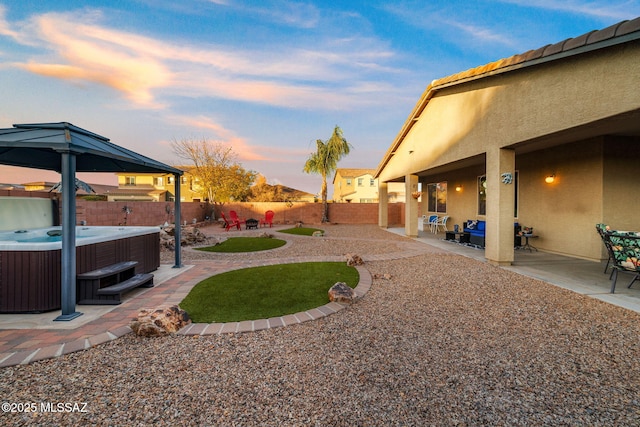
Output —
(68, 149)
(39, 146)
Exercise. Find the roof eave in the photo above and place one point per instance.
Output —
(468, 76)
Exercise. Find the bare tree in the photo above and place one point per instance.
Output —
(221, 177)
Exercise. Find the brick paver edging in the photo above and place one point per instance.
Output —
(49, 352)
(364, 284)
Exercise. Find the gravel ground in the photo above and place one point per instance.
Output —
(446, 341)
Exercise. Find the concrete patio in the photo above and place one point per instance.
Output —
(578, 275)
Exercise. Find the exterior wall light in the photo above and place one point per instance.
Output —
(550, 179)
(458, 188)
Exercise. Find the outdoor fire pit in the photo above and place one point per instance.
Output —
(251, 223)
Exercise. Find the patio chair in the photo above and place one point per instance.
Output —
(433, 222)
(625, 248)
(234, 217)
(602, 229)
(268, 219)
(228, 223)
(442, 223)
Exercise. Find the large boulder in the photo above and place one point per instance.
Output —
(160, 321)
(341, 292)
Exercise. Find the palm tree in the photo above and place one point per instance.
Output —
(325, 160)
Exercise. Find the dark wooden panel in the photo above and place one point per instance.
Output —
(30, 281)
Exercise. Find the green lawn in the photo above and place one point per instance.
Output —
(245, 244)
(301, 231)
(263, 292)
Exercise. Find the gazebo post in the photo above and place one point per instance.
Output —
(177, 229)
(68, 283)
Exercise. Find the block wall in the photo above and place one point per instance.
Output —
(157, 213)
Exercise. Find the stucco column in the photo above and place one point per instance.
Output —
(383, 204)
(500, 206)
(411, 206)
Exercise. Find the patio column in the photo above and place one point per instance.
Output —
(411, 206)
(68, 253)
(383, 204)
(500, 166)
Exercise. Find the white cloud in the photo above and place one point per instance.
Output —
(607, 9)
(431, 19)
(80, 49)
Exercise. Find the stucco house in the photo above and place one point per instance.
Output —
(351, 185)
(549, 138)
(154, 187)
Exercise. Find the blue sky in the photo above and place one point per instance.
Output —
(268, 77)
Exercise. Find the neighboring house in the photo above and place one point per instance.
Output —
(11, 186)
(161, 187)
(155, 187)
(38, 185)
(549, 138)
(100, 189)
(360, 186)
(292, 195)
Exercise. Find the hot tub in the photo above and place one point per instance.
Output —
(30, 261)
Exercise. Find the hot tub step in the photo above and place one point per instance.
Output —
(106, 285)
(142, 280)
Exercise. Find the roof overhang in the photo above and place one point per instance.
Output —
(620, 33)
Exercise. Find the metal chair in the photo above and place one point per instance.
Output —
(625, 248)
(602, 229)
(442, 223)
(433, 221)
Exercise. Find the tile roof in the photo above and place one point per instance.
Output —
(346, 172)
(619, 33)
(584, 41)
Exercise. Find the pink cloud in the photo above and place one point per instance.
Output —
(142, 67)
(241, 146)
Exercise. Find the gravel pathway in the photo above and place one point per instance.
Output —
(446, 341)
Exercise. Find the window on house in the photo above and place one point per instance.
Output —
(372, 182)
(437, 197)
(129, 180)
(482, 194)
(158, 181)
(348, 181)
(172, 179)
(183, 180)
(360, 182)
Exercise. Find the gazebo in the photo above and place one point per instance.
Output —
(68, 149)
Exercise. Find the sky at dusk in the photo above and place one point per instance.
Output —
(267, 77)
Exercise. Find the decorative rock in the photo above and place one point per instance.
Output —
(318, 233)
(161, 321)
(353, 259)
(385, 276)
(341, 292)
(188, 236)
(266, 235)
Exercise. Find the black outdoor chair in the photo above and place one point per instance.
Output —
(602, 229)
(625, 250)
